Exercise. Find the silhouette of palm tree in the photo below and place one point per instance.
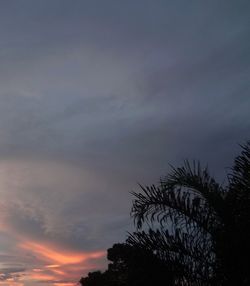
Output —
(200, 228)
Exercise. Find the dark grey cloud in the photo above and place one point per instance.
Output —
(99, 95)
(11, 273)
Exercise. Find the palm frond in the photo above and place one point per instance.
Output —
(238, 199)
(197, 180)
(239, 179)
(190, 257)
(188, 196)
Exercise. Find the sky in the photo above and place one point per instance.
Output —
(96, 97)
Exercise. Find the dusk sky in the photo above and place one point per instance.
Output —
(96, 96)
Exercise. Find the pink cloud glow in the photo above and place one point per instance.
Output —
(53, 265)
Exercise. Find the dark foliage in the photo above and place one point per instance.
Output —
(94, 279)
(190, 231)
(198, 225)
(130, 266)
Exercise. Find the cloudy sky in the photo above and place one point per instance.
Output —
(96, 96)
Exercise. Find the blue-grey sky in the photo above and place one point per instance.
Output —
(96, 96)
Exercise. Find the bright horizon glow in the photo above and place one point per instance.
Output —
(56, 264)
(58, 255)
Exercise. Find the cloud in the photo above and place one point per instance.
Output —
(60, 265)
(49, 199)
(11, 274)
(63, 257)
(97, 96)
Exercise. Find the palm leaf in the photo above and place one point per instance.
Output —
(187, 198)
(190, 258)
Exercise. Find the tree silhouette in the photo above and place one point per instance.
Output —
(199, 228)
(191, 231)
(96, 278)
(130, 266)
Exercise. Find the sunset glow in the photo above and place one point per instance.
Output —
(96, 97)
(55, 264)
(59, 256)
(69, 264)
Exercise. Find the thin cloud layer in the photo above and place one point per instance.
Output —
(96, 96)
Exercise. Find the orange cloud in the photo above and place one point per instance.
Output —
(41, 277)
(60, 256)
(60, 272)
(53, 266)
(58, 264)
(64, 284)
